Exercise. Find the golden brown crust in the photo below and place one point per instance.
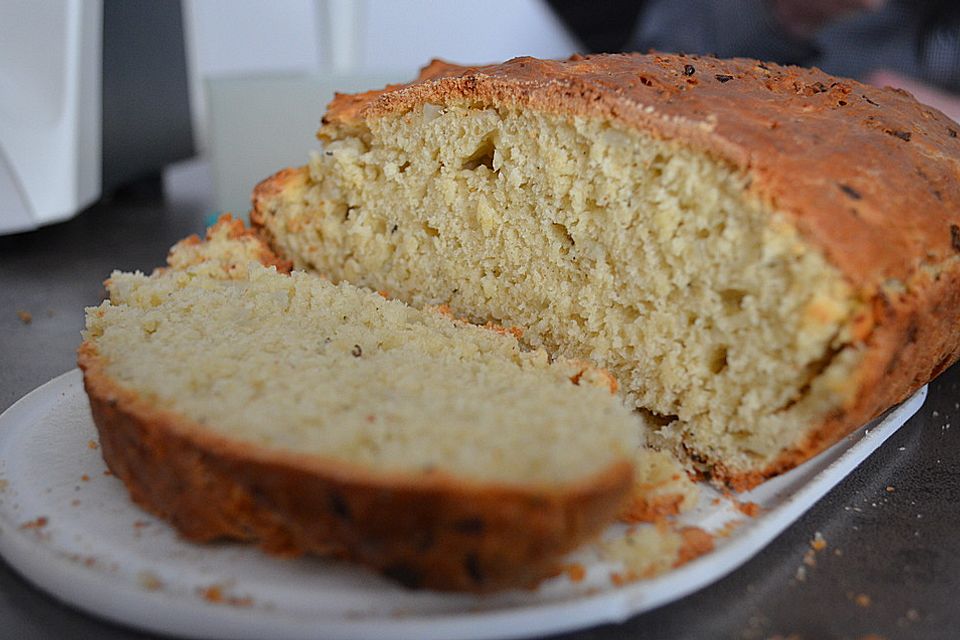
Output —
(269, 190)
(234, 229)
(237, 245)
(431, 530)
(866, 175)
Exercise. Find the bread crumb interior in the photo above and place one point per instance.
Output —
(641, 255)
(295, 363)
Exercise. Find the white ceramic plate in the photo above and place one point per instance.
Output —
(69, 528)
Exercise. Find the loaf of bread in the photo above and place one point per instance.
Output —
(237, 401)
(766, 257)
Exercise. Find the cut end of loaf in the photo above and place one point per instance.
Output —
(729, 331)
(238, 402)
(298, 364)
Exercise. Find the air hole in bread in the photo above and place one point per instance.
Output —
(560, 233)
(718, 359)
(482, 157)
(732, 298)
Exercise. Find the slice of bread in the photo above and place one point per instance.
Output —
(239, 402)
(766, 257)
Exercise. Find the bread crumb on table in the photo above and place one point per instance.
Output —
(216, 594)
(36, 523)
(575, 572)
(728, 528)
(818, 543)
(25, 316)
(149, 581)
(621, 578)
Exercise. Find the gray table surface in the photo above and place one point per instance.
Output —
(900, 549)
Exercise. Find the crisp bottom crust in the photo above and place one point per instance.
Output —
(431, 530)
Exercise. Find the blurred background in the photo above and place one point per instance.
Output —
(200, 99)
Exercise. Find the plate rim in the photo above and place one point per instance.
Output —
(98, 594)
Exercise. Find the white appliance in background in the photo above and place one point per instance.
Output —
(50, 67)
(94, 96)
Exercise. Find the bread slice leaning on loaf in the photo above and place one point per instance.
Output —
(766, 257)
(240, 402)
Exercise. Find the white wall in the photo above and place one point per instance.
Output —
(235, 37)
(245, 37)
(252, 36)
(405, 34)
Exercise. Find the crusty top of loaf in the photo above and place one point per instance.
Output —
(869, 176)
